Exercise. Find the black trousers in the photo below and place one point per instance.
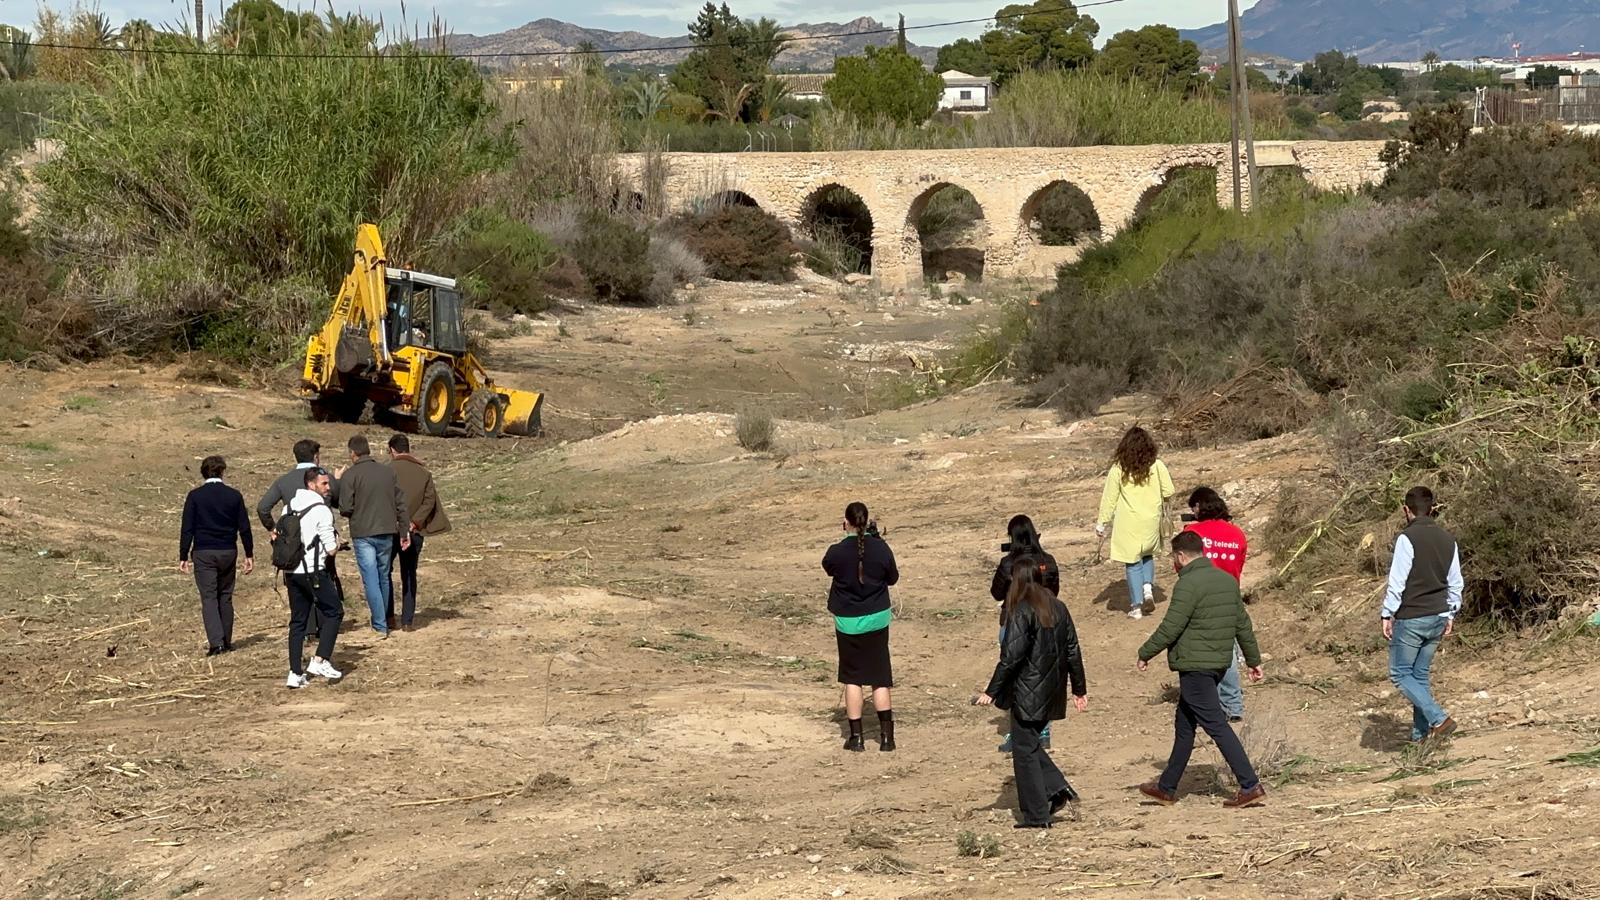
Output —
(214, 572)
(1198, 705)
(315, 626)
(1038, 779)
(408, 581)
(307, 593)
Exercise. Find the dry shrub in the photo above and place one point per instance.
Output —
(614, 256)
(738, 243)
(755, 429)
(1265, 736)
(674, 265)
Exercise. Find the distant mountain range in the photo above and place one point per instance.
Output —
(1400, 30)
(553, 36)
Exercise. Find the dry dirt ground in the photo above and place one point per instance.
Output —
(622, 680)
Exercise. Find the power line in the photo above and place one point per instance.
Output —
(523, 54)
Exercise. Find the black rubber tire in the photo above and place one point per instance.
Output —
(437, 378)
(345, 408)
(484, 414)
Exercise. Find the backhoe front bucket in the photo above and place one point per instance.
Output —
(523, 409)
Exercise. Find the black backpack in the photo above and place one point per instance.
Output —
(288, 551)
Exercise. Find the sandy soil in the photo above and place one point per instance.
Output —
(622, 682)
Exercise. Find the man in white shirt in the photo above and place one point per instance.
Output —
(1419, 610)
(310, 584)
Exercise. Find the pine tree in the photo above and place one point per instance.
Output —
(900, 39)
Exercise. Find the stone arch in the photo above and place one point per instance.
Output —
(1199, 177)
(1061, 214)
(946, 231)
(838, 223)
(722, 200)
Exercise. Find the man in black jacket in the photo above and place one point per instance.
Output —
(214, 523)
(307, 455)
(1039, 657)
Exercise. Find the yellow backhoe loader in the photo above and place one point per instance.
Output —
(395, 339)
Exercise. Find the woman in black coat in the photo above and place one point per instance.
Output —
(1024, 542)
(1039, 658)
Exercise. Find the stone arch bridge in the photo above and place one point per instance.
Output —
(1008, 183)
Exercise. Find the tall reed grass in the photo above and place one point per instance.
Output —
(211, 200)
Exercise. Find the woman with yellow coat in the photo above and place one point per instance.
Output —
(1137, 487)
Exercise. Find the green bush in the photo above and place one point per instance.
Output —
(1523, 524)
(502, 261)
(614, 256)
(27, 278)
(25, 109)
(231, 173)
(738, 243)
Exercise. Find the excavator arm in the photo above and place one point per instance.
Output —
(353, 337)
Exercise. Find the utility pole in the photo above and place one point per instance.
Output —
(1241, 110)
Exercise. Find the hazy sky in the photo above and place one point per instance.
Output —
(668, 17)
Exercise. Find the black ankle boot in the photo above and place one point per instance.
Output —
(854, 742)
(886, 730)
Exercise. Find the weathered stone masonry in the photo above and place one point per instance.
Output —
(1007, 183)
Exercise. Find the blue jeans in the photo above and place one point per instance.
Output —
(1410, 663)
(375, 559)
(1230, 690)
(1139, 574)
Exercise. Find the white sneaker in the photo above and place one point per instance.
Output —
(322, 667)
(1136, 613)
(1149, 593)
(296, 681)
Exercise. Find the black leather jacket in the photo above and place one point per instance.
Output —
(1036, 665)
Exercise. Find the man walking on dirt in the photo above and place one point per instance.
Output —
(1204, 619)
(370, 496)
(425, 516)
(307, 455)
(308, 583)
(214, 523)
(1419, 610)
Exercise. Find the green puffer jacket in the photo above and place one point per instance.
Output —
(1203, 620)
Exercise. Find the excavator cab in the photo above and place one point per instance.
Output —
(423, 311)
(395, 340)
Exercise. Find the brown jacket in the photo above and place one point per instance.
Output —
(423, 508)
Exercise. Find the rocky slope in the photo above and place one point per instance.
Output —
(553, 36)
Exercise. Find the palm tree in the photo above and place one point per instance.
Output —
(647, 98)
(766, 38)
(137, 34)
(16, 54)
(1429, 60)
(773, 90)
(96, 29)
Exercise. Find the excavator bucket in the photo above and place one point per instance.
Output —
(523, 411)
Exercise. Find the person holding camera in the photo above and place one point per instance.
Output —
(1023, 544)
(1226, 545)
(1131, 508)
(1038, 655)
(863, 569)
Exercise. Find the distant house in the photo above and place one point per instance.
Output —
(788, 120)
(965, 93)
(805, 86)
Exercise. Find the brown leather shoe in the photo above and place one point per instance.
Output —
(1443, 729)
(1244, 799)
(1154, 792)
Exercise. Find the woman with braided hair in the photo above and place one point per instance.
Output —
(862, 567)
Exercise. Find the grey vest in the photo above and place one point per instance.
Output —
(1427, 587)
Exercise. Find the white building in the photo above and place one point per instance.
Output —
(965, 93)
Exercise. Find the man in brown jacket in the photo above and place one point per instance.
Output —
(426, 516)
